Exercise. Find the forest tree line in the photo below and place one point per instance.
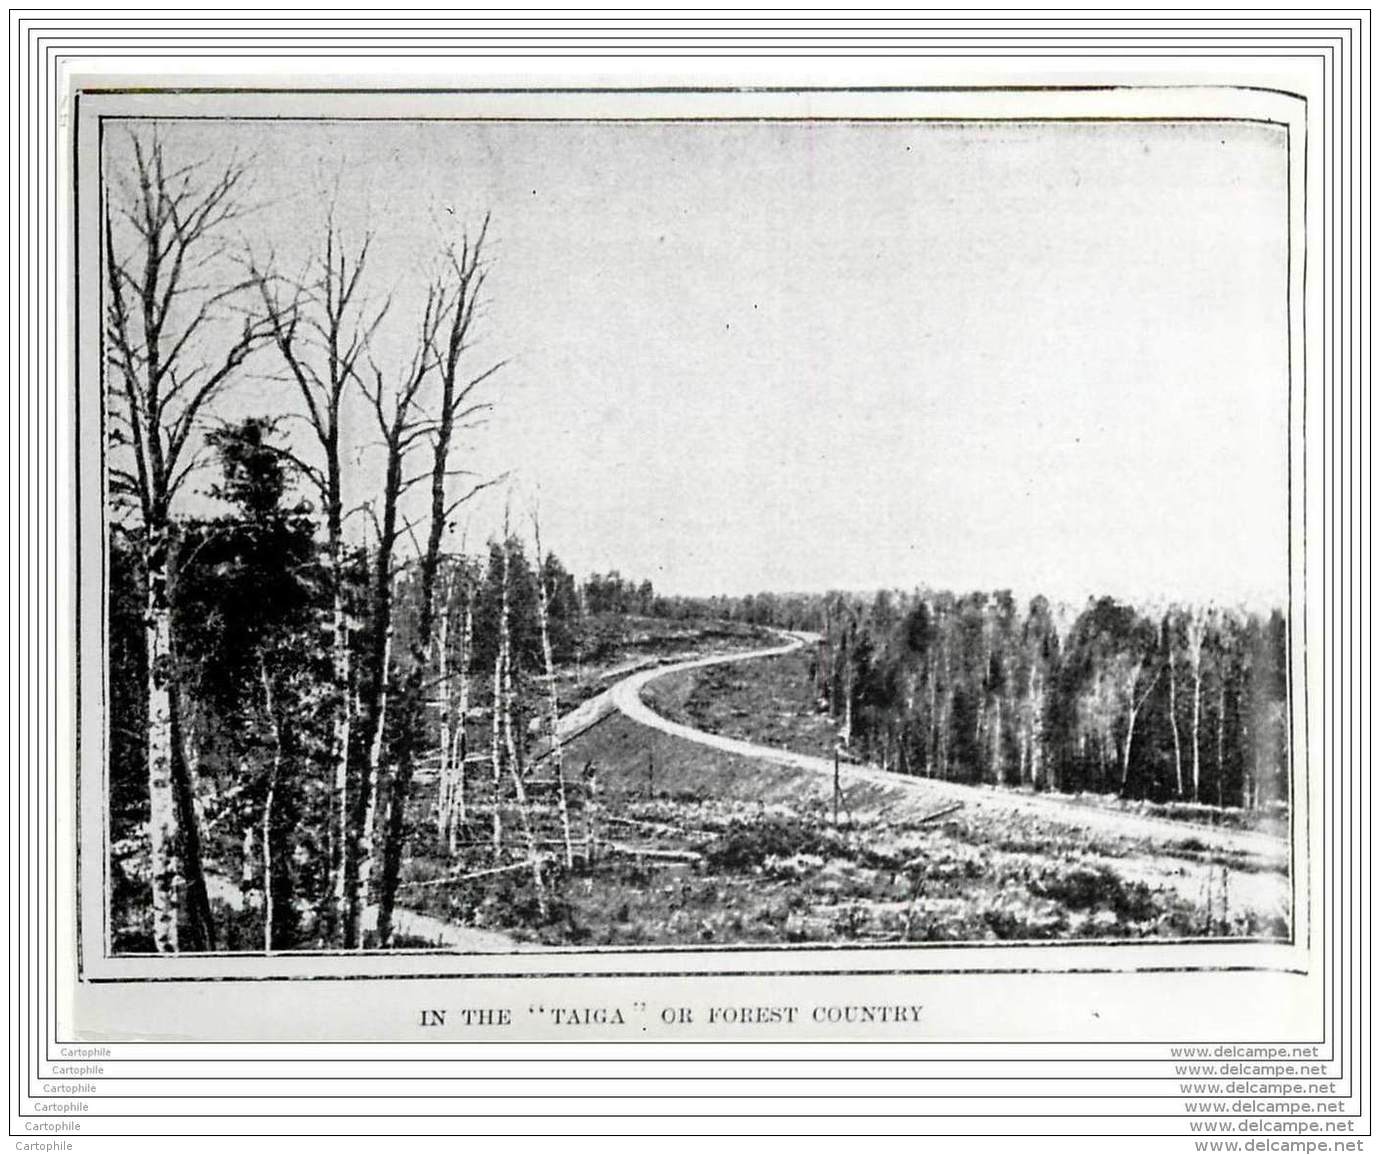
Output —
(1182, 703)
(1185, 703)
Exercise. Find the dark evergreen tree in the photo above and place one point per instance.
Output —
(253, 669)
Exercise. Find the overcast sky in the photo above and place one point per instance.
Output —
(1047, 357)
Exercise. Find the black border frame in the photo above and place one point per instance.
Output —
(1295, 867)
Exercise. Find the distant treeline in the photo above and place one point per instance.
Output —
(1182, 702)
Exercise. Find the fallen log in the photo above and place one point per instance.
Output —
(659, 827)
(451, 879)
(655, 852)
(947, 810)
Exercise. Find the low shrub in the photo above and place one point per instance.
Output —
(746, 846)
(1082, 885)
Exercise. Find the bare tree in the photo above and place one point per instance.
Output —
(457, 299)
(505, 694)
(400, 424)
(175, 340)
(321, 324)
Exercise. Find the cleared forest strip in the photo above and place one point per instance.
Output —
(626, 696)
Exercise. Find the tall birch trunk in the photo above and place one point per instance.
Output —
(1174, 729)
(554, 713)
(338, 822)
(200, 931)
(266, 833)
(946, 715)
(450, 815)
(277, 819)
(248, 887)
(444, 773)
(458, 303)
(1221, 734)
(1037, 724)
(359, 847)
(163, 864)
(1196, 634)
(932, 731)
(998, 765)
(371, 783)
(328, 305)
(1126, 748)
(1133, 708)
(165, 300)
(1196, 727)
(509, 742)
(847, 689)
(496, 739)
(412, 704)
(462, 753)
(267, 826)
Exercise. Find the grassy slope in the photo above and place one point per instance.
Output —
(766, 701)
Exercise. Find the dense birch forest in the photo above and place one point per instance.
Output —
(1170, 704)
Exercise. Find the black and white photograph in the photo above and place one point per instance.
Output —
(655, 533)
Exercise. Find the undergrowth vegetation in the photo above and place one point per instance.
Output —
(784, 874)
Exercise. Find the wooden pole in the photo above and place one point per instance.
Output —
(591, 796)
(836, 785)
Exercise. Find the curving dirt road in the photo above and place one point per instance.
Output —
(626, 697)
